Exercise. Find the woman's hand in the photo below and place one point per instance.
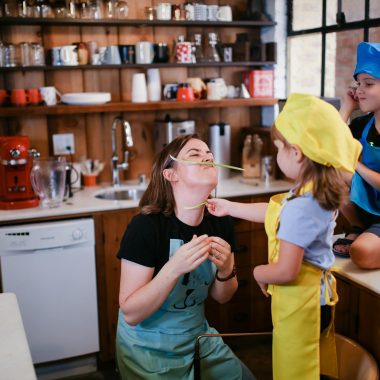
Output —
(221, 256)
(218, 207)
(190, 255)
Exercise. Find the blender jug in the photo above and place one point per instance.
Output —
(48, 177)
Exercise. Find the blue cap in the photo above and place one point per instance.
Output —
(368, 59)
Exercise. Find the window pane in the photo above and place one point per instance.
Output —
(331, 10)
(305, 64)
(374, 34)
(374, 9)
(307, 14)
(340, 61)
(353, 10)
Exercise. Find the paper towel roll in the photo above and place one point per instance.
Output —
(219, 142)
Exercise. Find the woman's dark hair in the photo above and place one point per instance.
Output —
(158, 196)
(329, 187)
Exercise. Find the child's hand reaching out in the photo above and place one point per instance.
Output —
(218, 207)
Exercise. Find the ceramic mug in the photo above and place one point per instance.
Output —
(69, 55)
(184, 52)
(49, 95)
(198, 86)
(4, 97)
(170, 91)
(111, 55)
(144, 52)
(164, 11)
(224, 13)
(215, 91)
(189, 11)
(185, 93)
(35, 96)
(19, 97)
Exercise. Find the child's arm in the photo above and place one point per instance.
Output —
(254, 212)
(349, 104)
(285, 270)
(370, 176)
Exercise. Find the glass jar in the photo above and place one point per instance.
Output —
(198, 49)
(212, 54)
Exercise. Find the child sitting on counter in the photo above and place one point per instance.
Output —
(362, 242)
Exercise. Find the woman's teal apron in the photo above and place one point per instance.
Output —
(362, 193)
(162, 346)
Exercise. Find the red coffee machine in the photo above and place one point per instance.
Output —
(16, 160)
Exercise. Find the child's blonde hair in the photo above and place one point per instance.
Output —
(329, 187)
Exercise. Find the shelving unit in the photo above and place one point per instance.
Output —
(130, 22)
(133, 107)
(116, 79)
(137, 66)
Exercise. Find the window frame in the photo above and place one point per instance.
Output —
(364, 24)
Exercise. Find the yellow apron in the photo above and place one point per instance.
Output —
(297, 341)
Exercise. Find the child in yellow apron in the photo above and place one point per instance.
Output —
(314, 147)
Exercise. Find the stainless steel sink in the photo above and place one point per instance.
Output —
(121, 194)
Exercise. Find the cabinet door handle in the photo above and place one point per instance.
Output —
(241, 249)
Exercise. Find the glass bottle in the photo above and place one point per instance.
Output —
(22, 8)
(212, 54)
(72, 9)
(198, 50)
(109, 9)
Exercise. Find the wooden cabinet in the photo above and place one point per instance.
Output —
(248, 310)
(110, 228)
(357, 315)
(91, 125)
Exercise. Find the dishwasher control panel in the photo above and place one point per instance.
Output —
(47, 235)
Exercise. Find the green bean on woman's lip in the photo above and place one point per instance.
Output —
(205, 163)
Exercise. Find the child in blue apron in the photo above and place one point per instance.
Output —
(314, 147)
(173, 255)
(362, 241)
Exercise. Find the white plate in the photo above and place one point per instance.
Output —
(83, 98)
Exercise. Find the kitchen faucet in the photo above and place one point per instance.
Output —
(128, 143)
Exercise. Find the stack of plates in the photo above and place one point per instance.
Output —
(86, 98)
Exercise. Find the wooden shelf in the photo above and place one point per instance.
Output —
(139, 66)
(132, 107)
(129, 22)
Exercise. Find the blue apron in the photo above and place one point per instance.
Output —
(162, 346)
(362, 193)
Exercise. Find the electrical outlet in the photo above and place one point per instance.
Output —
(63, 143)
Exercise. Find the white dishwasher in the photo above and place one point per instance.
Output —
(50, 267)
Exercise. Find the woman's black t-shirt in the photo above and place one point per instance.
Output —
(147, 238)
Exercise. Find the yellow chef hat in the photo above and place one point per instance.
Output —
(319, 131)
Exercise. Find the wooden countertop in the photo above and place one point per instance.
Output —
(15, 358)
(84, 201)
